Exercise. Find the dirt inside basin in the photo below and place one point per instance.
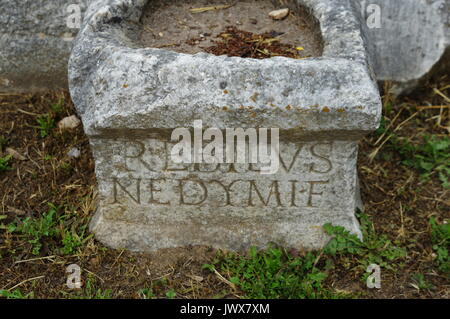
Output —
(240, 28)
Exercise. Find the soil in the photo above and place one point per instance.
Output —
(173, 26)
(397, 200)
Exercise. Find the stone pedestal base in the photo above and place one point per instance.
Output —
(147, 202)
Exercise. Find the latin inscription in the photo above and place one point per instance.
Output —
(142, 174)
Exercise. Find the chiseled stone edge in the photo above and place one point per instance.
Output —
(117, 85)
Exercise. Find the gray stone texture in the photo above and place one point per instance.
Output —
(413, 42)
(147, 202)
(131, 98)
(34, 45)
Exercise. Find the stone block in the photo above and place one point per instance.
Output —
(131, 98)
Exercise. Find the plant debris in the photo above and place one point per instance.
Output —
(239, 43)
(204, 9)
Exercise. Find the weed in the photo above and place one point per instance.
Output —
(440, 236)
(273, 273)
(4, 163)
(37, 229)
(67, 168)
(46, 124)
(72, 241)
(49, 225)
(147, 293)
(15, 294)
(374, 249)
(171, 294)
(420, 282)
(3, 142)
(58, 107)
(91, 291)
(382, 128)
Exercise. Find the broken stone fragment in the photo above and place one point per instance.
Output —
(69, 122)
(409, 40)
(279, 14)
(35, 43)
(74, 152)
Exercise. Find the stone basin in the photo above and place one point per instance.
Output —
(132, 96)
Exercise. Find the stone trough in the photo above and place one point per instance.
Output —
(132, 96)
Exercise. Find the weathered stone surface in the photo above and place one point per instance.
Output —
(35, 43)
(130, 99)
(148, 202)
(412, 43)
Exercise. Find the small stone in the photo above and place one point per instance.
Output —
(69, 122)
(279, 14)
(74, 152)
(15, 154)
(196, 278)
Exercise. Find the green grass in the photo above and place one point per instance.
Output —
(58, 107)
(440, 237)
(4, 163)
(15, 294)
(51, 228)
(147, 293)
(37, 229)
(46, 124)
(419, 282)
(274, 273)
(90, 290)
(432, 157)
(171, 294)
(375, 249)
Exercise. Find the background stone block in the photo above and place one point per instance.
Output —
(35, 44)
(412, 43)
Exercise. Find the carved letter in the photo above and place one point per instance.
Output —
(136, 199)
(153, 189)
(227, 190)
(288, 169)
(312, 192)
(274, 189)
(138, 156)
(329, 166)
(183, 182)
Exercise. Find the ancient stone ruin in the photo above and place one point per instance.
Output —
(409, 41)
(133, 88)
